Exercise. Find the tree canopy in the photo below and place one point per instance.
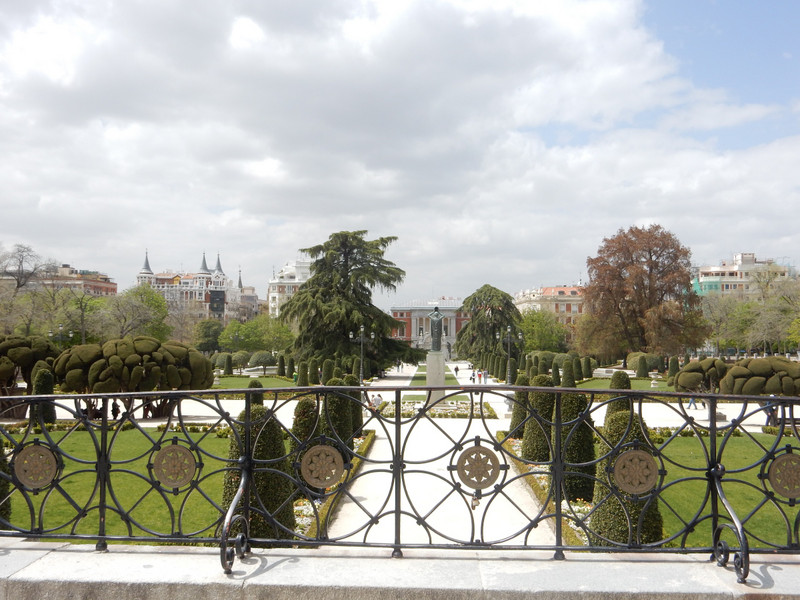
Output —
(640, 292)
(337, 300)
(491, 311)
(543, 331)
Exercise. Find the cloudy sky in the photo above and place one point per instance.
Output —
(499, 140)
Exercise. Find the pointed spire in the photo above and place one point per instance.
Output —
(218, 268)
(239, 285)
(146, 270)
(204, 267)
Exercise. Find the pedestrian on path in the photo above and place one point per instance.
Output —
(479, 377)
(456, 370)
(472, 377)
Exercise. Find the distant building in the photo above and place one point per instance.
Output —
(286, 283)
(415, 325)
(565, 302)
(205, 294)
(739, 277)
(92, 283)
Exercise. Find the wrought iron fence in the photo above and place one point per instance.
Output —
(325, 466)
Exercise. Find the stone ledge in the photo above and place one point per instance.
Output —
(36, 570)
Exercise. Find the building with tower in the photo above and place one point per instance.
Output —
(204, 294)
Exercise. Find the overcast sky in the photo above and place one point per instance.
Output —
(500, 141)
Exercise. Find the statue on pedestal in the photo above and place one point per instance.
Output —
(436, 330)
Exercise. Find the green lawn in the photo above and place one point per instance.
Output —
(234, 383)
(161, 512)
(603, 383)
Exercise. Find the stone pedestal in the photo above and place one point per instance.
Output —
(435, 373)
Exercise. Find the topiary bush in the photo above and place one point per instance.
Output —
(619, 381)
(567, 378)
(290, 370)
(302, 374)
(586, 367)
(227, 368)
(673, 366)
(337, 418)
(535, 438)
(327, 370)
(641, 367)
(556, 375)
(255, 397)
(281, 365)
(710, 375)
(305, 423)
(612, 515)
(270, 484)
(577, 446)
(577, 371)
(313, 371)
(356, 414)
(519, 411)
(5, 489)
(43, 385)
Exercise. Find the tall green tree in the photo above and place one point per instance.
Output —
(138, 310)
(337, 299)
(491, 311)
(543, 331)
(206, 335)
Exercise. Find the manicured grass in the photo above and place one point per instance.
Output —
(235, 383)
(603, 383)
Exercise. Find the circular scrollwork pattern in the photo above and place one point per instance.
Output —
(174, 466)
(784, 475)
(322, 466)
(35, 467)
(478, 467)
(635, 472)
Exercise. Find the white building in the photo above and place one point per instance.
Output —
(284, 285)
(740, 277)
(205, 294)
(565, 302)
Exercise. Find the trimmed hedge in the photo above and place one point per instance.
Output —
(612, 514)
(535, 446)
(520, 410)
(270, 484)
(577, 442)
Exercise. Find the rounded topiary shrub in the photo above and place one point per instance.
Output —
(577, 370)
(617, 519)
(228, 365)
(567, 377)
(577, 446)
(556, 375)
(255, 397)
(290, 366)
(270, 484)
(586, 367)
(673, 366)
(535, 439)
(519, 411)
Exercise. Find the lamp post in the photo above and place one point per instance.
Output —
(360, 339)
(507, 339)
(60, 336)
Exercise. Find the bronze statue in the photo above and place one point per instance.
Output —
(436, 330)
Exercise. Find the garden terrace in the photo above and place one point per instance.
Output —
(722, 483)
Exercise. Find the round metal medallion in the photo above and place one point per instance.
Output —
(478, 467)
(635, 472)
(784, 475)
(322, 466)
(35, 466)
(174, 466)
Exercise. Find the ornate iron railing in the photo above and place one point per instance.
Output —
(412, 474)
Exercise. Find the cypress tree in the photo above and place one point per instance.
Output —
(290, 367)
(337, 419)
(272, 488)
(619, 381)
(255, 397)
(281, 365)
(327, 370)
(586, 367)
(673, 366)
(228, 370)
(302, 374)
(610, 519)
(556, 376)
(305, 423)
(641, 368)
(577, 371)
(567, 379)
(313, 371)
(43, 386)
(519, 412)
(577, 446)
(535, 445)
(356, 412)
(513, 369)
